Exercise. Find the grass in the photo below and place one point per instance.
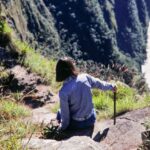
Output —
(127, 100)
(17, 96)
(4, 75)
(12, 129)
(147, 124)
(12, 132)
(4, 27)
(145, 136)
(34, 60)
(39, 64)
(11, 110)
(12, 126)
(55, 108)
(5, 33)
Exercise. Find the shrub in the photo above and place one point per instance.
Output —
(5, 39)
(36, 62)
(127, 100)
(4, 76)
(5, 33)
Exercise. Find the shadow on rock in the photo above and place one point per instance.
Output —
(101, 136)
(33, 103)
(52, 132)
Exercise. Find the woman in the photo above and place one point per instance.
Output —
(76, 107)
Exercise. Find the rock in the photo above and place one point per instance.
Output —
(44, 93)
(34, 23)
(23, 79)
(126, 134)
(30, 84)
(74, 143)
(146, 139)
(41, 115)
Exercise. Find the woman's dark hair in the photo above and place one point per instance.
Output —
(65, 68)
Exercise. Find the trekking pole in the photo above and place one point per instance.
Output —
(114, 108)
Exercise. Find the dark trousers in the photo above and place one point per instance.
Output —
(79, 124)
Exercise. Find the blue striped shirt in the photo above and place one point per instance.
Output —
(76, 97)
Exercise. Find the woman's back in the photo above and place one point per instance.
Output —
(78, 91)
(75, 95)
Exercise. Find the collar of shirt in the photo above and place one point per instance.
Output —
(69, 79)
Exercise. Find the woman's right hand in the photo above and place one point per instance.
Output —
(114, 89)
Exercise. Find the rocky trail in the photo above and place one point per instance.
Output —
(125, 135)
(31, 84)
(22, 80)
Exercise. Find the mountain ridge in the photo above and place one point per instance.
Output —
(103, 31)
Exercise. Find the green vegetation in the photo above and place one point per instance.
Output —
(5, 32)
(17, 96)
(37, 63)
(103, 101)
(114, 31)
(11, 127)
(147, 124)
(55, 108)
(29, 58)
(145, 136)
(127, 100)
(12, 132)
(11, 110)
(4, 76)
(4, 27)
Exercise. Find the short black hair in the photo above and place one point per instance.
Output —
(65, 68)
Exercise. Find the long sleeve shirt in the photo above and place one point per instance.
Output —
(76, 96)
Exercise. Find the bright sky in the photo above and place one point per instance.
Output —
(146, 66)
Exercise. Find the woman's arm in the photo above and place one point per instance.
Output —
(97, 83)
(64, 106)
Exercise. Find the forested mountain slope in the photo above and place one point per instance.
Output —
(101, 30)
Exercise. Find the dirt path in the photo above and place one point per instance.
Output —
(35, 93)
(38, 96)
(42, 115)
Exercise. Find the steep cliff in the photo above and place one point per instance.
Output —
(99, 30)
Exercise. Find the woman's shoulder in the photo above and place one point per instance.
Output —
(68, 85)
(82, 75)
